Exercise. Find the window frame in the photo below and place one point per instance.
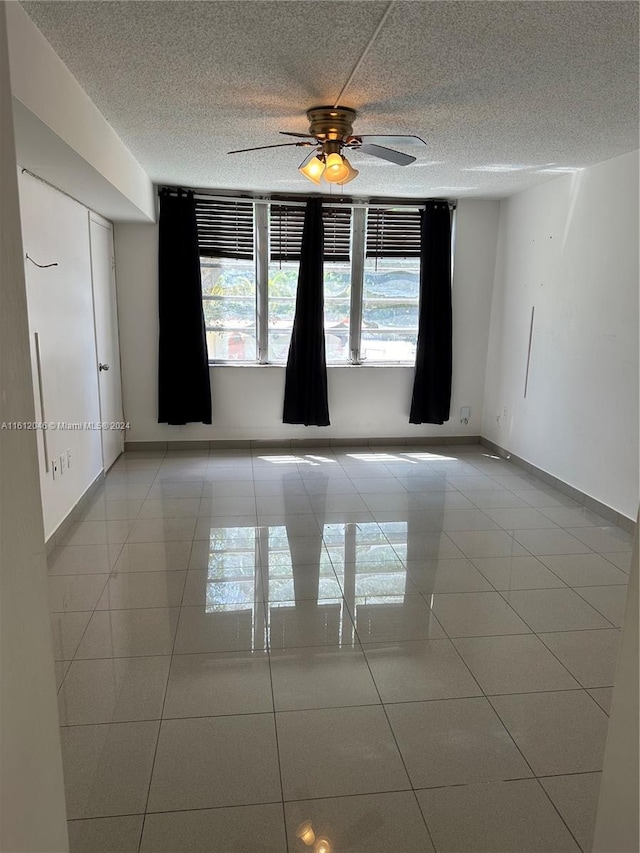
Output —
(358, 258)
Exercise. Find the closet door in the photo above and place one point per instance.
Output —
(107, 343)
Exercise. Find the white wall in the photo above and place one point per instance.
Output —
(56, 230)
(570, 248)
(62, 136)
(32, 806)
(365, 402)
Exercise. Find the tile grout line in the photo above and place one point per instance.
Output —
(328, 646)
(265, 605)
(164, 699)
(534, 775)
(86, 628)
(395, 740)
(481, 695)
(341, 796)
(275, 729)
(586, 600)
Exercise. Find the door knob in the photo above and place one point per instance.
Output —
(103, 366)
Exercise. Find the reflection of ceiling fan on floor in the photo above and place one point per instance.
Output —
(330, 132)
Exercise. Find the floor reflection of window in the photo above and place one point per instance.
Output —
(233, 596)
(282, 571)
(301, 591)
(379, 568)
(380, 577)
(221, 595)
(249, 565)
(279, 565)
(369, 560)
(231, 569)
(306, 623)
(395, 532)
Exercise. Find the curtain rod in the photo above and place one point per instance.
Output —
(292, 201)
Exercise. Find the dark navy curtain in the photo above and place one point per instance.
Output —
(184, 390)
(432, 379)
(305, 392)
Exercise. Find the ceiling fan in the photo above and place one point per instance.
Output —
(330, 132)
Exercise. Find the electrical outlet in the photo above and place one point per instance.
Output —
(69, 458)
(505, 412)
(63, 462)
(55, 468)
(465, 414)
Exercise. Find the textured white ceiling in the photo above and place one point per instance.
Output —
(507, 94)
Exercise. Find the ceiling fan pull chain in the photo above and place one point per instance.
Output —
(334, 216)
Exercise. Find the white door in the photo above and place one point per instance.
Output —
(107, 344)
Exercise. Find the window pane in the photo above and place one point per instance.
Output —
(337, 300)
(234, 345)
(229, 303)
(283, 283)
(390, 309)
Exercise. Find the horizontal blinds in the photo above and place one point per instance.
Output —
(337, 233)
(225, 228)
(393, 233)
(285, 232)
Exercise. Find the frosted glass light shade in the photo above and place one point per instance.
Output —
(353, 173)
(336, 170)
(313, 169)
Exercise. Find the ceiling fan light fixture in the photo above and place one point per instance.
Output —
(353, 173)
(330, 132)
(313, 169)
(337, 169)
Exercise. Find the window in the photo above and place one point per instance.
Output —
(226, 242)
(337, 310)
(285, 238)
(250, 254)
(285, 241)
(391, 286)
(229, 299)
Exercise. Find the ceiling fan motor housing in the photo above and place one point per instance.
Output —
(331, 123)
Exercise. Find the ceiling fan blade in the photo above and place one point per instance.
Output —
(260, 147)
(301, 135)
(394, 139)
(389, 154)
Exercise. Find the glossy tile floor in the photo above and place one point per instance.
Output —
(391, 649)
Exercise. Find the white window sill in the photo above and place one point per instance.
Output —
(282, 365)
